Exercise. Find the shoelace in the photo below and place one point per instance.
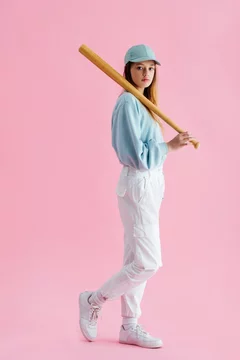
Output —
(140, 331)
(93, 314)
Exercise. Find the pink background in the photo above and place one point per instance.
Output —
(60, 228)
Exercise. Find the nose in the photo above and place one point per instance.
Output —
(145, 72)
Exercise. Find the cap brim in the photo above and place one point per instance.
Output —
(144, 59)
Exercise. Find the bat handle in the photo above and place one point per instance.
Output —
(195, 143)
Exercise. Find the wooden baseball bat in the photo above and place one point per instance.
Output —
(113, 74)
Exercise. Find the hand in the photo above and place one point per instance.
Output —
(181, 140)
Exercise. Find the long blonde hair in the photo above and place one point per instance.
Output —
(150, 92)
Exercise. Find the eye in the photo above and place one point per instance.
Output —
(151, 68)
(139, 67)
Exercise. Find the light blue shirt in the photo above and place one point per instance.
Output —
(136, 138)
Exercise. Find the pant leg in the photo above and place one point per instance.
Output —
(131, 300)
(139, 202)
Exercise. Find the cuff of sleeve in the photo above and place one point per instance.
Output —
(164, 148)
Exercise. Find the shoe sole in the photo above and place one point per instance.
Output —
(81, 327)
(147, 347)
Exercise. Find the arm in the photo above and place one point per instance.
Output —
(126, 139)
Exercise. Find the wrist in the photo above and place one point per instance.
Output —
(169, 146)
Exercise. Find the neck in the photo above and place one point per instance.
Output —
(141, 90)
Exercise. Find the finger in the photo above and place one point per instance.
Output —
(183, 135)
(183, 145)
(188, 137)
(188, 142)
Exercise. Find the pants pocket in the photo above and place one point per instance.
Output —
(138, 188)
(161, 185)
(121, 186)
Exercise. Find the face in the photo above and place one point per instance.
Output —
(142, 74)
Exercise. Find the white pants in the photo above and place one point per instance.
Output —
(140, 194)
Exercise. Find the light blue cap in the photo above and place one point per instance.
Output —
(139, 53)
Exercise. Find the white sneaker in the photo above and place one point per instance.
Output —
(135, 335)
(88, 316)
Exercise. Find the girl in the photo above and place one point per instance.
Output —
(138, 142)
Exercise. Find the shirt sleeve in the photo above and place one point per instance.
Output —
(126, 140)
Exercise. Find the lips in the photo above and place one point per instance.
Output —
(145, 79)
